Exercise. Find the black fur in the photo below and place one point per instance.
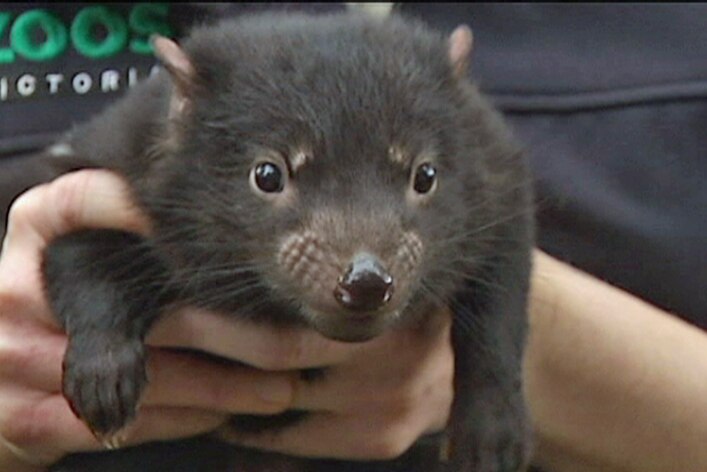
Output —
(345, 86)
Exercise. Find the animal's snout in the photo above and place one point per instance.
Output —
(365, 286)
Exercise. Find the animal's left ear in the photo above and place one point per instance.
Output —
(180, 69)
(460, 44)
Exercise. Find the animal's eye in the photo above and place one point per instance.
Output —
(268, 177)
(425, 176)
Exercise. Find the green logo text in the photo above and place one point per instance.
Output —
(38, 35)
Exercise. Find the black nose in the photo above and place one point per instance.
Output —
(365, 286)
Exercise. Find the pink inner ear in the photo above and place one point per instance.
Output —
(181, 71)
(173, 58)
(460, 44)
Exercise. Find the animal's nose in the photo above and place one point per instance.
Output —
(365, 286)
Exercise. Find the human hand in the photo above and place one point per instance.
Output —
(375, 400)
(36, 423)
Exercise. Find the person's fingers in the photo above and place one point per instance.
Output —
(183, 379)
(44, 429)
(260, 345)
(378, 409)
(89, 198)
(417, 373)
(31, 355)
(177, 379)
(354, 437)
(165, 423)
(82, 199)
(415, 380)
(40, 427)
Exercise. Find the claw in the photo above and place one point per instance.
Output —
(112, 441)
(104, 390)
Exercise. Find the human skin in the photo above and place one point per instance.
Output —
(613, 384)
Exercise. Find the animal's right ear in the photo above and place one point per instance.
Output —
(180, 69)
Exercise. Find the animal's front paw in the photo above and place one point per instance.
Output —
(103, 381)
(495, 440)
(500, 452)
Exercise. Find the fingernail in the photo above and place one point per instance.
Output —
(275, 389)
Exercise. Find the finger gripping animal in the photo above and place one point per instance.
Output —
(335, 172)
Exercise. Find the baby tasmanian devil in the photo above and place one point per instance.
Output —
(337, 172)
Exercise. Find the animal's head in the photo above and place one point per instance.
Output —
(330, 161)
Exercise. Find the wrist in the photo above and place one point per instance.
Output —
(602, 364)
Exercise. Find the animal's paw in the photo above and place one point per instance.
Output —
(497, 441)
(103, 381)
(502, 453)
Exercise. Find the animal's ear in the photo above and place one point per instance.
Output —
(180, 69)
(460, 44)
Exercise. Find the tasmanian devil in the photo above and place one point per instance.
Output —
(337, 172)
